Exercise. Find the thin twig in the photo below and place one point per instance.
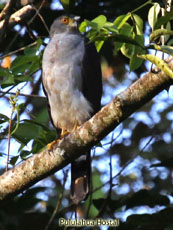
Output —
(124, 166)
(13, 101)
(40, 16)
(105, 203)
(37, 11)
(18, 50)
(22, 94)
(6, 92)
(59, 201)
(91, 187)
(9, 138)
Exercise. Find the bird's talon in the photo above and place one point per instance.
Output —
(50, 145)
(75, 127)
(63, 134)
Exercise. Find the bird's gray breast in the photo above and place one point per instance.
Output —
(62, 79)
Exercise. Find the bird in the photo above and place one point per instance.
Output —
(72, 82)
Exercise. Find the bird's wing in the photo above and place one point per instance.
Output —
(92, 77)
(92, 90)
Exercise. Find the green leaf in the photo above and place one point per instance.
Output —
(170, 42)
(163, 20)
(34, 66)
(39, 43)
(161, 64)
(13, 160)
(9, 80)
(111, 27)
(135, 62)
(26, 132)
(4, 72)
(82, 27)
(22, 78)
(30, 51)
(99, 45)
(8, 77)
(91, 24)
(121, 20)
(165, 49)
(153, 15)
(139, 24)
(20, 60)
(24, 154)
(96, 24)
(157, 33)
(127, 50)
(17, 125)
(125, 39)
(100, 21)
(3, 118)
(126, 30)
(36, 123)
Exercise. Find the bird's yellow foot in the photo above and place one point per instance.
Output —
(50, 145)
(64, 133)
(75, 127)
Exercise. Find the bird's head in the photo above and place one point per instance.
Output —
(64, 24)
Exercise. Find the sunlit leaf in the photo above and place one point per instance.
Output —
(153, 15)
(110, 27)
(82, 27)
(161, 64)
(157, 33)
(165, 49)
(99, 45)
(100, 21)
(121, 20)
(138, 23)
(127, 49)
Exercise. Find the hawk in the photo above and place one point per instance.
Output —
(72, 83)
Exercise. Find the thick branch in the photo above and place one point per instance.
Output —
(5, 14)
(91, 132)
(19, 16)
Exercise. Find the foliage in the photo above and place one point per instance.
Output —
(127, 31)
(142, 140)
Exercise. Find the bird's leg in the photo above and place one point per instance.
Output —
(64, 132)
(75, 127)
(50, 145)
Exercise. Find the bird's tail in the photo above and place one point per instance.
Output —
(80, 178)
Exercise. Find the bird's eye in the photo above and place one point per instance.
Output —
(65, 20)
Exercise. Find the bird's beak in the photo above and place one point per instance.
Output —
(73, 22)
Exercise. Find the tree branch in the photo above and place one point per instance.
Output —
(18, 17)
(91, 132)
(5, 14)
